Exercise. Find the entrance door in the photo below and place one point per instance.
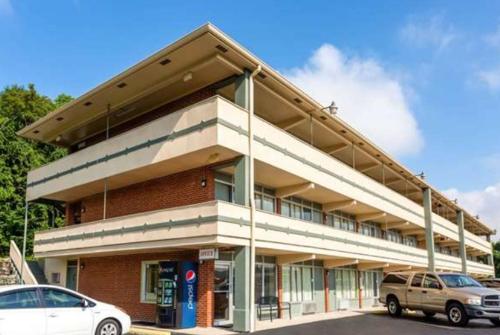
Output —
(223, 294)
(71, 274)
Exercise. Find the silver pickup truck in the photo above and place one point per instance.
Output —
(458, 296)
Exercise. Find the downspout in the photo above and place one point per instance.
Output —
(252, 198)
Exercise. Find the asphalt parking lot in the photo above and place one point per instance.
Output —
(383, 324)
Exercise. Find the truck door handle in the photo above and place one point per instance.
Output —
(410, 290)
(424, 292)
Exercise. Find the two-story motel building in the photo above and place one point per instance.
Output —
(202, 145)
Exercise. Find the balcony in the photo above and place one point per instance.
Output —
(181, 140)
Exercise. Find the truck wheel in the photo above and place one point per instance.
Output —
(429, 314)
(457, 315)
(393, 307)
(495, 322)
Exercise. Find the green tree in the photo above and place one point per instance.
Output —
(19, 107)
(496, 258)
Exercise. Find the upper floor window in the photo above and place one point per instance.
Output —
(301, 209)
(410, 241)
(371, 229)
(224, 190)
(341, 220)
(394, 236)
(265, 199)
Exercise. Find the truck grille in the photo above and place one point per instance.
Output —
(491, 301)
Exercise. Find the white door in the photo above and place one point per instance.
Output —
(65, 313)
(21, 313)
(223, 294)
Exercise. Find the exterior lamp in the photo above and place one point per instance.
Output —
(332, 108)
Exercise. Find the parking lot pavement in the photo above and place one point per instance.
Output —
(383, 324)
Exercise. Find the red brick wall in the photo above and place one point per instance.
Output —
(280, 289)
(117, 280)
(183, 188)
(205, 307)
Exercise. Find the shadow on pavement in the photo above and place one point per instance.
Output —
(381, 323)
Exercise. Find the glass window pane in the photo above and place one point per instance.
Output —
(258, 281)
(286, 283)
(223, 192)
(307, 214)
(150, 281)
(268, 204)
(307, 283)
(285, 209)
(59, 299)
(270, 281)
(19, 299)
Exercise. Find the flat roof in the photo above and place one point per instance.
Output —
(78, 114)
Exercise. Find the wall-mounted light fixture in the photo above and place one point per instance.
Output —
(82, 266)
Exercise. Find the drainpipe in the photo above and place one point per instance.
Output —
(252, 198)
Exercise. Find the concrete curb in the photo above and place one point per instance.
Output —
(139, 330)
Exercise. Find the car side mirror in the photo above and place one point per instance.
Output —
(84, 303)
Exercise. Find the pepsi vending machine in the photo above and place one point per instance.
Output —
(187, 295)
(167, 295)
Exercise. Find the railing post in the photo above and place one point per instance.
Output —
(24, 240)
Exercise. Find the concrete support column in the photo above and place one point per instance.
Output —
(241, 181)
(242, 303)
(461, 235)
(429, 231)
(242, 90)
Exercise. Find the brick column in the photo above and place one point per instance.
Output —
(280, 289)
(205, 306)
(327, 290)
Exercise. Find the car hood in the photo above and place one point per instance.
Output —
(480, 291)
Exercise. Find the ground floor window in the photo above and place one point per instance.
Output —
(265, 277)
(298, 282)
(370, 281)
(149, 281)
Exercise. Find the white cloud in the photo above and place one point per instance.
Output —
(429, 31)
(485, 203)
(369, 98)
(6, 7)
(490, 78)
(493, 39)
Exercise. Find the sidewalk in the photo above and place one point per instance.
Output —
(260, 325)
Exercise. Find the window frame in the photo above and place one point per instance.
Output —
(142, 290)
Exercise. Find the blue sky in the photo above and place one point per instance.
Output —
(430, 67)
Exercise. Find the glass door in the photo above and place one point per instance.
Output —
(223, 294)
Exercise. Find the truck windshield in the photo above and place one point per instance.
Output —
(456, 280)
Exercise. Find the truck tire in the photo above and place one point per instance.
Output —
(495, 322)
(456, 315)
(393, 307)
(429, 314)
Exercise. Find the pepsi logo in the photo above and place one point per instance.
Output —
(190, 276)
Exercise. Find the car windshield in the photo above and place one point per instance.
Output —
(456, 280)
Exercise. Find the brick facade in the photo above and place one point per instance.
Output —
(205, 307)
(117, 280)
(183, 188)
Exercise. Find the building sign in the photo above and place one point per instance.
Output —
(186, 316)
(206, 254)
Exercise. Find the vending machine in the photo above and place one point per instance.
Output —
(187, 295)
(167, 295)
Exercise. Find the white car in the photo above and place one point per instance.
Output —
(53, 310)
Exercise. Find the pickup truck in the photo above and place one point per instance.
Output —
(458, 296)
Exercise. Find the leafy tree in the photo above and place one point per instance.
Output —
(496, 258)
(19, 107)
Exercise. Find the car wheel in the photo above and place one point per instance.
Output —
(429, 314)
(495, 322)
(457, 315)
(393, 306)
(108, 327)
